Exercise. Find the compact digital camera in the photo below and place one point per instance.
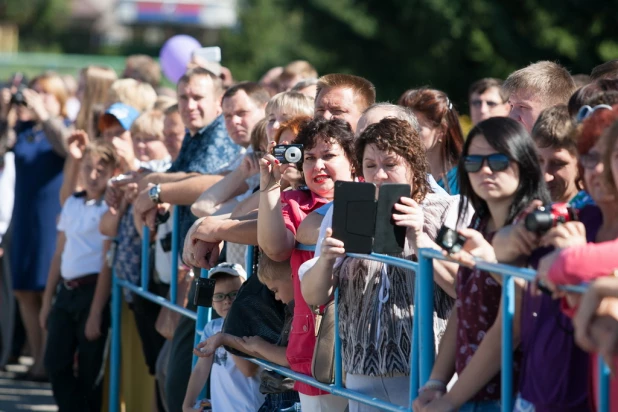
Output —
(288, 153)
(449, 240)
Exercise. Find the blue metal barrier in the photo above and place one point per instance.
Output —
(422, 352)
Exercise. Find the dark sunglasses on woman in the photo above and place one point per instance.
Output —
(497, 162)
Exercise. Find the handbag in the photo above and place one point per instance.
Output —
(323, 362)
(167, 321)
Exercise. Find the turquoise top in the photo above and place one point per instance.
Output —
(452, 183)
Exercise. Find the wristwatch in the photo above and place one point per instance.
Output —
(155, 194)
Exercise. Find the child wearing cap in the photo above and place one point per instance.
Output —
(279, 391)
(75, 303)
(234, 383)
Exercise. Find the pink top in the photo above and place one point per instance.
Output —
(296, 205)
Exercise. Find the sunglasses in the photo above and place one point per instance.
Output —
(586, 111)
(497, 162)
(220, 297)
(590, 160)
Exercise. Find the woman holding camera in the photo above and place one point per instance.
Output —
(500, 175)
(376, 300)
(40, 149)
(327, 157)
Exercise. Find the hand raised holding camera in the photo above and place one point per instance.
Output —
(77, 142)
(475, 247)
(565, 235)
(270, 174)
(36, 103)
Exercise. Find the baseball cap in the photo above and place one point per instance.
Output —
(233, 269)
(124, 113)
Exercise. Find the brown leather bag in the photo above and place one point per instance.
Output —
(323, 362)
(167, 321)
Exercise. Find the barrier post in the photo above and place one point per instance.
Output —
(203, 317)
(414, 385)
(338, 361)
(249, 260)
(508, 312)
(114, 382)
(424, 321)
(175, 247)
(145, 256)
(603, 394)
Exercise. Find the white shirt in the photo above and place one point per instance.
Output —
(230, 390)
(83, 250)
(7, 192)
(163, 259)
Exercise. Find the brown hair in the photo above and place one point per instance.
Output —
(171, 110)
(104, 150)
(97, 81)
(269, 269)
(583, 95)
(399, 137)
(436, 107)
(143, 68)
(330, 131)
(554, 128)
(480, 86)
(607, 70)
(549, 81)
(259, 138)
(294, 125)
(611, 137)
(52, 83)
(257, 93)
(217, 84)
(164, 102)
(364, 90)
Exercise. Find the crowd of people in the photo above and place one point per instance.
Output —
(534, 183)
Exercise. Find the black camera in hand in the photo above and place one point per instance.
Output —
(204, 290)
(449, 240)
(288, 153)
(546, 217)
(18, 98)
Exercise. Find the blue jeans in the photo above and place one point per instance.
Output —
(482, 406)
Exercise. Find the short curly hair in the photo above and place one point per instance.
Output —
(399, 137)
(330, 131)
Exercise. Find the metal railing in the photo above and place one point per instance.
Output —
(422, 353)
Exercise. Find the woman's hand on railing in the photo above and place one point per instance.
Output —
(208, 347)
(439, 405)
(542, 279)
(425, 397)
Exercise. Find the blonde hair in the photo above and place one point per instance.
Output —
(269, 270)
(52, 83)
(164, 102)
(294, 103)
(104, 150)
(136, 94)
(301, 68)
(149, 123)
(551, 82)
(97, 81)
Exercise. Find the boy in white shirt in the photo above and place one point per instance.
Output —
(75, 308)
(235, 382)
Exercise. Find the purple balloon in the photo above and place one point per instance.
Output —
(176, 54)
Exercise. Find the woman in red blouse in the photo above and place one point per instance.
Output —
(328, 156)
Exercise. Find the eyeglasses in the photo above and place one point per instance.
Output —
(590, 160)
(220, 297)
(586, 111)
(497, 162)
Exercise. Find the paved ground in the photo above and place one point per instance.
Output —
(19, 396)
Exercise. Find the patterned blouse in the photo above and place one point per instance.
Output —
(376, 306)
